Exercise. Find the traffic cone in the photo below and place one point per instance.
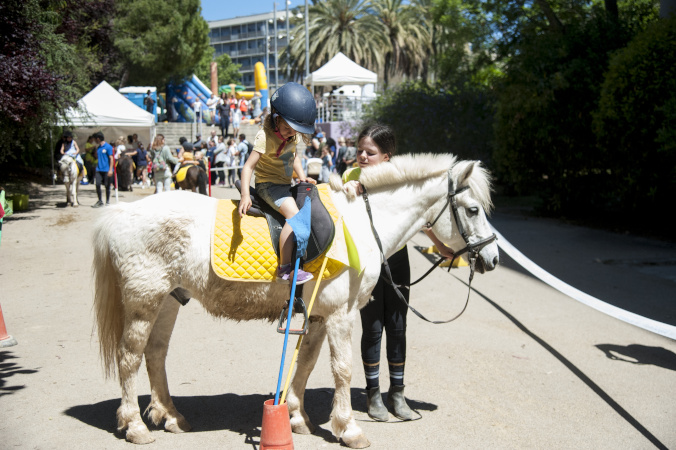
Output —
(276, 427)
(6, 340)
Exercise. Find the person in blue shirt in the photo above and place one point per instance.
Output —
(104, 168)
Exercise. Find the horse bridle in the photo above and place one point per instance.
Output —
(472, 249)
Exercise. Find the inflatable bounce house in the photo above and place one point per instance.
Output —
(181, 98)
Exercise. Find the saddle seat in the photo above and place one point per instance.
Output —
(322, 230)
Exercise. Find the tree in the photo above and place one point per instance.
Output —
(159, 40)
(228, 72)
(336, 26)
(41, 75)
(406, 34)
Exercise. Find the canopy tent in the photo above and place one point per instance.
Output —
(341, 70)
(105, 109)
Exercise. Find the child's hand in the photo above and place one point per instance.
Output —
(308, 180)
(244, 205)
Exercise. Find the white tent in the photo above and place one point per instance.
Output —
(341, 70)
(104, 109)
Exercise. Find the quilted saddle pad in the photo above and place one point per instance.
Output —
(182, 172)
(241, 248)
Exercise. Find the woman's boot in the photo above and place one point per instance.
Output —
(397, 403)
(374, 405)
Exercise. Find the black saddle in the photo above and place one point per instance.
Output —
(322, 229)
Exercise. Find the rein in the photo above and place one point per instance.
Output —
(471, 249)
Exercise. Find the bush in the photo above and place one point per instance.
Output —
(430, 120)
(636, 121)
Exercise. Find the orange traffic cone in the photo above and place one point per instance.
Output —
(6, 340)
(276, 428)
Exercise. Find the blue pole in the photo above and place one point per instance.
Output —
(286, 332)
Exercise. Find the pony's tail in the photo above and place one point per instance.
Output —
(107, 295)
(202, 181)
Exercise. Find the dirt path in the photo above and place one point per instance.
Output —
(525, 367)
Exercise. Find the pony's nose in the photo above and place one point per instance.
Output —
(496, 260)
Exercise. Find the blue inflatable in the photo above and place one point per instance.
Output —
(182, 97)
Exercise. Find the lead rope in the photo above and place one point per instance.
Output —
(388, 273)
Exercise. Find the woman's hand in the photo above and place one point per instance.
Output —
(353, 188)
(244, 204)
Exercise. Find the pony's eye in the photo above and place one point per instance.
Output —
(473, 211)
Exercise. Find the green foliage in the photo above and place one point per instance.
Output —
(636, 120)
(41, 75)
(159, 40)
(228, 72)
(431, 120)
(545, 141)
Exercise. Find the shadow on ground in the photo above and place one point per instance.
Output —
(640, 354)
(8, 369)
(241, 414)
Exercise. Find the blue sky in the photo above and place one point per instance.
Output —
(227, 9)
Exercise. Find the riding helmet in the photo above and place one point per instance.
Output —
(297, 106)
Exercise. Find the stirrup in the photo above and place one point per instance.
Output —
(298, 306)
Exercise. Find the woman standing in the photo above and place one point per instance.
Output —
(161, 158)
(376, 144)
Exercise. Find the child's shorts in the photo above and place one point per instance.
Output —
(274, 194)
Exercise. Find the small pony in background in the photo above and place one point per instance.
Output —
(71, 176)
(192, 176)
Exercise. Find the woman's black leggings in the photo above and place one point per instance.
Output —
(387, 311)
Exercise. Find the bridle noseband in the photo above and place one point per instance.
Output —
(472, 249)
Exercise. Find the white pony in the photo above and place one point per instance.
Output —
(136, 267)
(71, 178)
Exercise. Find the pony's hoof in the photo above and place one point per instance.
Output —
(178, 425)
(76, 205)
(356, 442)
(139, 437)
(303, 428)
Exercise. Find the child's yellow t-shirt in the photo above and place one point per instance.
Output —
(270, 167)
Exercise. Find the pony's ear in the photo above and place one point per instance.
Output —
(464, 176)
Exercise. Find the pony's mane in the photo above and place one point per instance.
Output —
(420, 167)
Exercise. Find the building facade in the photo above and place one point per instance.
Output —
(244, 39)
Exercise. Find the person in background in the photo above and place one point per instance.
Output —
(220, 159)
(162, 157)
(327, 164)
(149, 103)
(70, 148)
(236, 120)
(243, 153)
(231, 161)
(104, 168)
(224, 113)
(142, 166)
(350, 157)
(340, 156)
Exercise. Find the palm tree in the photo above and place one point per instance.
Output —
(407, 34)
(336, 26)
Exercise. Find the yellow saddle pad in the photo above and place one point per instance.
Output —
(181, 174)
(241, 249)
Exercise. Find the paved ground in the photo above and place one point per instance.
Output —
(524, 367)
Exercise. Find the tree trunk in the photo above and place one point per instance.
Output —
(611, 9)
(554, 22)
(125, 77)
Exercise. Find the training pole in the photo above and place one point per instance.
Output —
(286, 332)
(300, 338)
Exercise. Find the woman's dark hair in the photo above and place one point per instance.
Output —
(382, 135)
(67, 134)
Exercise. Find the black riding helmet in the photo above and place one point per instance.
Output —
(295, 104)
